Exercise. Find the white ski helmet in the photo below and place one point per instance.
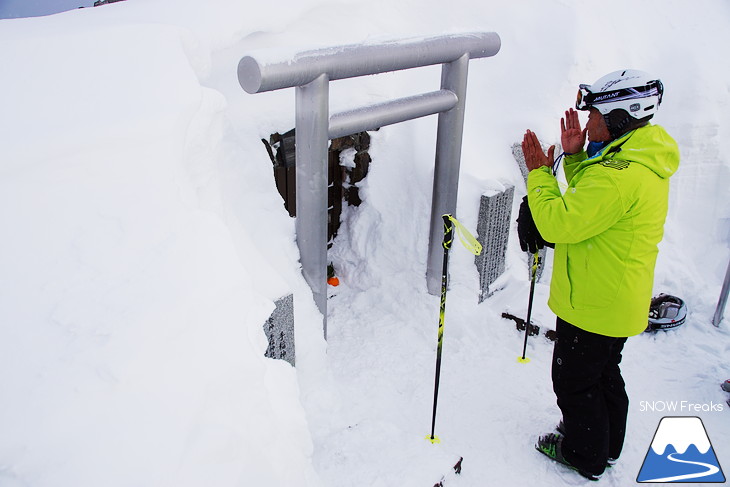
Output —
(666, 312)
(627, 99)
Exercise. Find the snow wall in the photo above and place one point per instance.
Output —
(144, 241)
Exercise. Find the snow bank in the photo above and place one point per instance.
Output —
(145, 244)
(131, 326)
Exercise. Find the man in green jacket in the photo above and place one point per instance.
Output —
(605, 227)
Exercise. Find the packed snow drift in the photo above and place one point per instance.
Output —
(145, 245)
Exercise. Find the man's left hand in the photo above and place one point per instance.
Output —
(527, 232)
(534, 156)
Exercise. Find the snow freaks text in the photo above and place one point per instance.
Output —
(680, 407)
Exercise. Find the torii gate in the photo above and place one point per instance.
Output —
(311, 71)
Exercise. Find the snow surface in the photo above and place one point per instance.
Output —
(145, 243)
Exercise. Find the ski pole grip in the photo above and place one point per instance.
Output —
(535, 265)
(448, 231)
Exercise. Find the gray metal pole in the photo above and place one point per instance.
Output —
(312, 121)
(257, 74)
(448, 159)
(390, 112)
(723, 298)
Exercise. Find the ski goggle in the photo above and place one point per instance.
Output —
(586, 98)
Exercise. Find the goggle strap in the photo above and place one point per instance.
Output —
(586, 98)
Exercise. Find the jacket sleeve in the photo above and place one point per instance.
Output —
(587, 208)
(571, 163)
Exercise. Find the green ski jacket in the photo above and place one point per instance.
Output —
(606, 227)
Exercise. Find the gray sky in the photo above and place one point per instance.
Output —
(11, 9)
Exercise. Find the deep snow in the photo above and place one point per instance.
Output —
(145, 244)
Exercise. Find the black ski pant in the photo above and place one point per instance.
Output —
(591, 395)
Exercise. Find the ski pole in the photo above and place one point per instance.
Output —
(473, 246)
(448, 240)
(535, 260)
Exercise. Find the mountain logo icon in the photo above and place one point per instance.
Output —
(681, 452)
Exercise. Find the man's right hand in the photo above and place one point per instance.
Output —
(571, 135)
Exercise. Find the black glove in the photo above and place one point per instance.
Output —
(529, 235)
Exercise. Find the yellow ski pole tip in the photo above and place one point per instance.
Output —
(433, 439)
(523, 360)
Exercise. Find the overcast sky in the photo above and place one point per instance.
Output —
(11, 9)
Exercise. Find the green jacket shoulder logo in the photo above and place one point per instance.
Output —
(615, 164)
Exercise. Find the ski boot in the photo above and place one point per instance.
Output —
(550, 445)
(560, 428)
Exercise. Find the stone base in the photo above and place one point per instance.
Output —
(279, 329)
(495, 212)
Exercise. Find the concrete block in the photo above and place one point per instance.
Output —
(520, 158)
(279, 329)
(495, 212)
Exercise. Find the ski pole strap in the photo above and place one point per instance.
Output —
(467, 239)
